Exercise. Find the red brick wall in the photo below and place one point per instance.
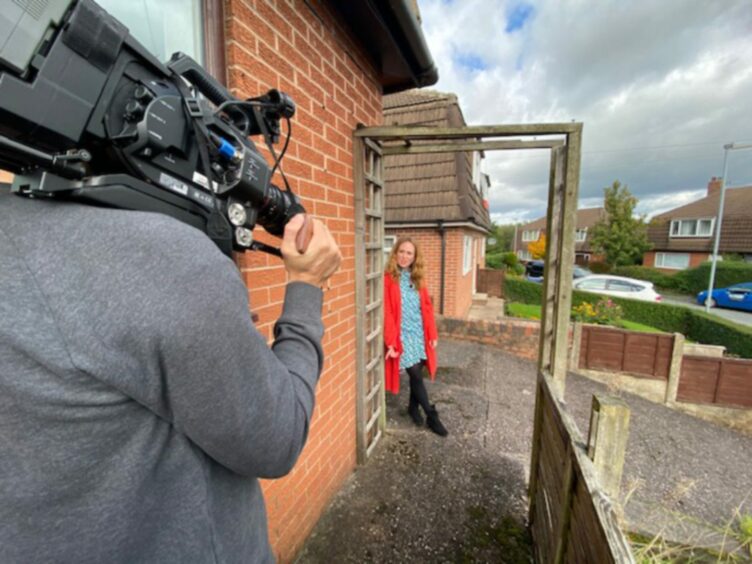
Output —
(695, 259)
(458, 287)
(299, 48)
(514, 336)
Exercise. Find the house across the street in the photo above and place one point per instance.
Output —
(683, 237)
(586, 219)
(439, 200)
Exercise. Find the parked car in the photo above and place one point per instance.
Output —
(534, 271)
(618, 286)
(738, 296)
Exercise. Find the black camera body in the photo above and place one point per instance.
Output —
(88, 114)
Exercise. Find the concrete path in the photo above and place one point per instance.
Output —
(422, 498)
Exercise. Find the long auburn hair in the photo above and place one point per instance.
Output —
(416, 270)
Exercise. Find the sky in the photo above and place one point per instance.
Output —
(659, 85)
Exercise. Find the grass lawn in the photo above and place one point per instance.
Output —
(526, 311)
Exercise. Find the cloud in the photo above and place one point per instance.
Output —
(659, 86)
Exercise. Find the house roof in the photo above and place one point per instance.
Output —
(430, 187)
(585, 218)
(390, 31)
(736, 228)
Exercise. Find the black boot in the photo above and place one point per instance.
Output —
(414, 411)
(434, 423)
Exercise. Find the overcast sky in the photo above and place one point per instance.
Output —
(660, 86)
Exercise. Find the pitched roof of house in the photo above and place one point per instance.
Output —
(736, 228)
(430, 187)
(585, 218)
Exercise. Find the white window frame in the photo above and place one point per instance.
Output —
(389, 241)
(675, 229)
(524, 255)
(580, 236)
(476, 171)
(660, 260)
(530, 235)
(467, 255)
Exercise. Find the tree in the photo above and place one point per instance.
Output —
(621, 237)
(537, 249)
(502, 237)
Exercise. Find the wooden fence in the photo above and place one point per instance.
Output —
(490, 282)
(572, 517)
(717, 381)
(617, 350)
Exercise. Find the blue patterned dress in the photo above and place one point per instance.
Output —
(413, 342)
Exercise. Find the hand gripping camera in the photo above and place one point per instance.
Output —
(88, 114)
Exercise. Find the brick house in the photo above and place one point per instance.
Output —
(586, 219)
(336, 59)
(439, 200)
(684, 237)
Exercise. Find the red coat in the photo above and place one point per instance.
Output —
(392, 329)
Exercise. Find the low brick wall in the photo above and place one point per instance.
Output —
(515, 336)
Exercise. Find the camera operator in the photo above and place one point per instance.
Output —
(138, 403)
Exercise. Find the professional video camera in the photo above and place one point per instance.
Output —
(88, 114)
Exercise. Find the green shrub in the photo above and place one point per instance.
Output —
(521, 291)
(714, 330)
(495, 261)
(695, 325)
(658, 278)
(599, 267)
(694, 280)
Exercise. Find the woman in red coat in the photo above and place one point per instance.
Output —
(410, 335)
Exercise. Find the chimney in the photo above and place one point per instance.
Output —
(714, 186)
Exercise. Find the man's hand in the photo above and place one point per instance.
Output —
(318, 262)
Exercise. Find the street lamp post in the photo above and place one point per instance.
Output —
(727, 148)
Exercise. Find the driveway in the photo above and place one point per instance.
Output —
(740, 317)
(425, 499)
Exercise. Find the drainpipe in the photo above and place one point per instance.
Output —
(442, 233)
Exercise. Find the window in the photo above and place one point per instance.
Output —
(524, 255)
(675, 261)
(389, 241)
(530, 235)
(592, 284)
(163, 27)
(692, 227)
(580, 235)
(623, 286)
(476, 171)
(467, 255)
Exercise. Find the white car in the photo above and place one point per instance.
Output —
(617, 286)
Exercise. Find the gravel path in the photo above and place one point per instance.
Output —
(463, 499)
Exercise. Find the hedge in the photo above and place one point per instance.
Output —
(728, 273)
(695, 325)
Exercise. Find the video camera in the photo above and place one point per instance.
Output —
(88, 114)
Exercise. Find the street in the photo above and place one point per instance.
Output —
(735, 315)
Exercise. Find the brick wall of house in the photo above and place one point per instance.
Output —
(695, 259)
(458, 286)
(299, 47)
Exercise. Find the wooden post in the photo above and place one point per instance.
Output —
(674, 370)
(607, 441)
(359, 174)
(574, 352)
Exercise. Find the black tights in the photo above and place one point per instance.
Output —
(418, 393)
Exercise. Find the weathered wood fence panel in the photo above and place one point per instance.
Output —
(572, 519)
(490, 281)
(717, 381)
(641, 354)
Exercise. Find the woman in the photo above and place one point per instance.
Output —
(410, 335)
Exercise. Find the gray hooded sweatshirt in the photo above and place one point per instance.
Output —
(138, 403)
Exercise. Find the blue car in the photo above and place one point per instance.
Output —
(738, 296)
